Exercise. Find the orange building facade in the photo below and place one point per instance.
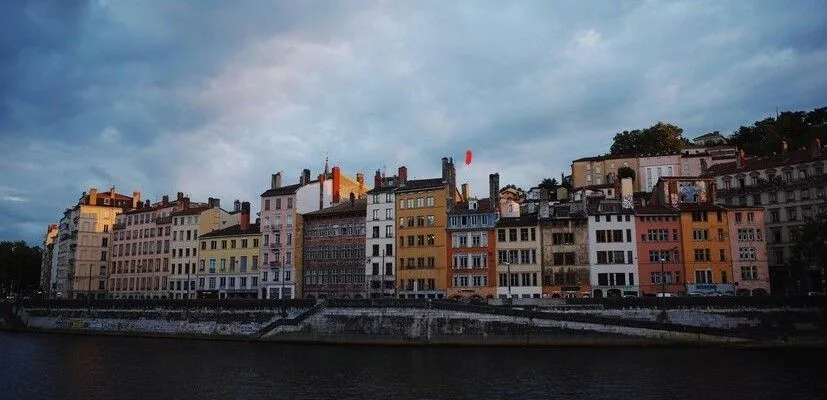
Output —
(471, 252)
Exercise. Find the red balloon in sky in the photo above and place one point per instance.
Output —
(468, 156)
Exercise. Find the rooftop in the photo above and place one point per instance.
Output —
(522, 220)
(345, 207)
(421, 184)
(234, 230)
(652, 209)
(285, 190)
(757, 163)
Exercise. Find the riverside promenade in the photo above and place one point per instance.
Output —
(737, 321)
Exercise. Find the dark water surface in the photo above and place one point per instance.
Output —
(44, 366)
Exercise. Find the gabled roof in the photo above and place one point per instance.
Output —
(285, 190)
(421, 184)
(234, 230)
(345, 207)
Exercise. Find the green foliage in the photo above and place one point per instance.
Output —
(549, 184)
(19, 268)
(764, 137)
(661, 138)
(626, 172)
(812, 244)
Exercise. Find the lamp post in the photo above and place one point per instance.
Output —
(662, 284)
(508, 278)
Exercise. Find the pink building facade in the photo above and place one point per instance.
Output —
(750, 266)
(652, 168)
(659, 245)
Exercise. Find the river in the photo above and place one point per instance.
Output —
(51, 366)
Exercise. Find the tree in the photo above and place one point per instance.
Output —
(549, 184)
(661, 138)
(19, 268)
(797, 128)
(626, 172)
(811, 248)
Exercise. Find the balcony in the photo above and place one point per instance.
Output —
(118, 227)
(163, 220)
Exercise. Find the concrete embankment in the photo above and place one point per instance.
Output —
(430, 323)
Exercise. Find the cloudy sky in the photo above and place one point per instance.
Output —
(210, 97)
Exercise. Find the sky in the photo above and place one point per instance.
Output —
(210, 97)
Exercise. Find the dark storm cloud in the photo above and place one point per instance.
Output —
(210, 97)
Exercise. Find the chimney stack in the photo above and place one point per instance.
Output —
(352, 199)
(494, 190)
(815, 148)
(216, 203)
(377, 180)
(185, 203)
(465, 192)
(275, 180)
(306, 176)
(245, 215)
(360, 179)
(544, 211)
(93, 196)
(165, 200)
(237, 206)
(146, 204)
(180, 196)
(337, 179)
(321, 191)
(403, 175)
(301, 179)
(136, 199)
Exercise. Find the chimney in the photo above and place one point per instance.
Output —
(815, 148)
(465, 192)
(136, 199)
(165, 200)
(494, 189)
(275, 180)
(352, 199)
(93, 196)
(185, 203)
(445, 169)
(146, 204)
(245, 215)
(237, 207)
(306, 175)
(337, 179)
(301, 180)
(544, 212)
(403, 175)
(360, 179)
(377, 179)
(180, 196)
(112, 192)
(739, 159)
(321, 191)
(627, 192)
(216, 203)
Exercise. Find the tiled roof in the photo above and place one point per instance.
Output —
(345, 207)
(751, 164)
(234, 230)
(285, 190)
(421, 184)
(191, 211)
(383, 189)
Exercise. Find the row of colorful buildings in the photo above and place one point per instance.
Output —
(333, 236)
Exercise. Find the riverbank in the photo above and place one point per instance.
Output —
(430, 323)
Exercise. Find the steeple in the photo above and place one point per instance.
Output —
(326, 171)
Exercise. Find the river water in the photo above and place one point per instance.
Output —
(50, 366)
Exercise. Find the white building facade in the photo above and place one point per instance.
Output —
(612, 248)
(380, 240)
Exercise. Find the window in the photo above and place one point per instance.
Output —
(746, 253)
(266, 204)
(703, 276)
(562, 238)
(703, 255)
(749, 273)
(501, 235)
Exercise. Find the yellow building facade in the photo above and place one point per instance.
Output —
(228, 265)
(706, 248)
(422, 255)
